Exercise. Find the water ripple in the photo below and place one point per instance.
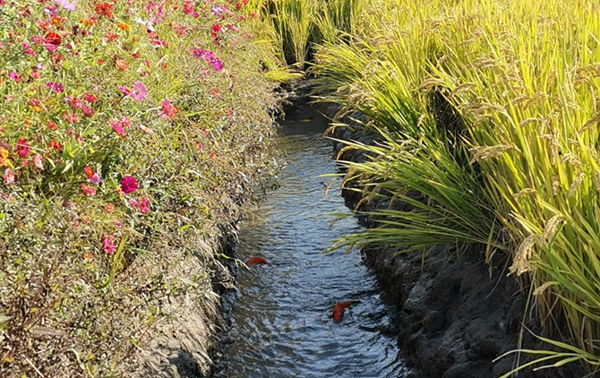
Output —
(282, 319)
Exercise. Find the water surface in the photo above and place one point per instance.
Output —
(282, 324)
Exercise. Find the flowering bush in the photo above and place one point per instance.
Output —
(127, 131)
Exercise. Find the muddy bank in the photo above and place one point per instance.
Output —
(187, 345)
(456, 313)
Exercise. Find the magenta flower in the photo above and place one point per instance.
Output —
(22, 147)
(74, 102)
(55, 87)
(95, 179)
(14, 76)
(108, 243)
(87, 111)
(217, 64)
(138, 92)
(129, 184)
(116, 126)
(209, 57)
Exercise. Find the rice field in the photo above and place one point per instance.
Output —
(489, 111)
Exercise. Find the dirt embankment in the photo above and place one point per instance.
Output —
(456, 313)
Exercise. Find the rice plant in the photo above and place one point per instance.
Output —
(523, 78)
(298, 25)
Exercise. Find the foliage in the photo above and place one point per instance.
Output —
(128, 132)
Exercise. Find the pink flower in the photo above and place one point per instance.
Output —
(125, 122)
(146, 129)
(144, 205)
(14, 76)
(168, 110)
(28, 49)
(9, 176)
(38, 162)
(116, 126)
(88, 190)
(129, 184)
(108, 243)
(71, 118)
(67, 5)
(138, 92)
(22, 147)
(74, 102)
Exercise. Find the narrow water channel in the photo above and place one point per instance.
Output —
(282, 320)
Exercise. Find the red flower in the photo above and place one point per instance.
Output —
(55, 145)
(90, 97)
(89, 172)
(88, 190)
(104, 10)
(121, 64)
(52, 41)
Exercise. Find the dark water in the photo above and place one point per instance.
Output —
(282, 324)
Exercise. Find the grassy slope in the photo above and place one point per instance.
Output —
(87, 270)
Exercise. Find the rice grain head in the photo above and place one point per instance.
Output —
(522, 260)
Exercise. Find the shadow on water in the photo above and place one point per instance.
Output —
(281, 322)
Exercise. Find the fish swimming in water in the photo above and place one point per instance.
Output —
(255, 261)
(338, 310)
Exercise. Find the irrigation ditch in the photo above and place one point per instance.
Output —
(450, 315)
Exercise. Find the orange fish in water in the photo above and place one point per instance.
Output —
(256, 260)
(338, 310)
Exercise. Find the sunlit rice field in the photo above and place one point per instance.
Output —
(489, 110)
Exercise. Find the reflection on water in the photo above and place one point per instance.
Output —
(282, 324)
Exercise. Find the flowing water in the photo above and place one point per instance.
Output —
(282, 319)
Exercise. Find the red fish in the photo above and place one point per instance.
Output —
(256, 260)
(338, 310)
